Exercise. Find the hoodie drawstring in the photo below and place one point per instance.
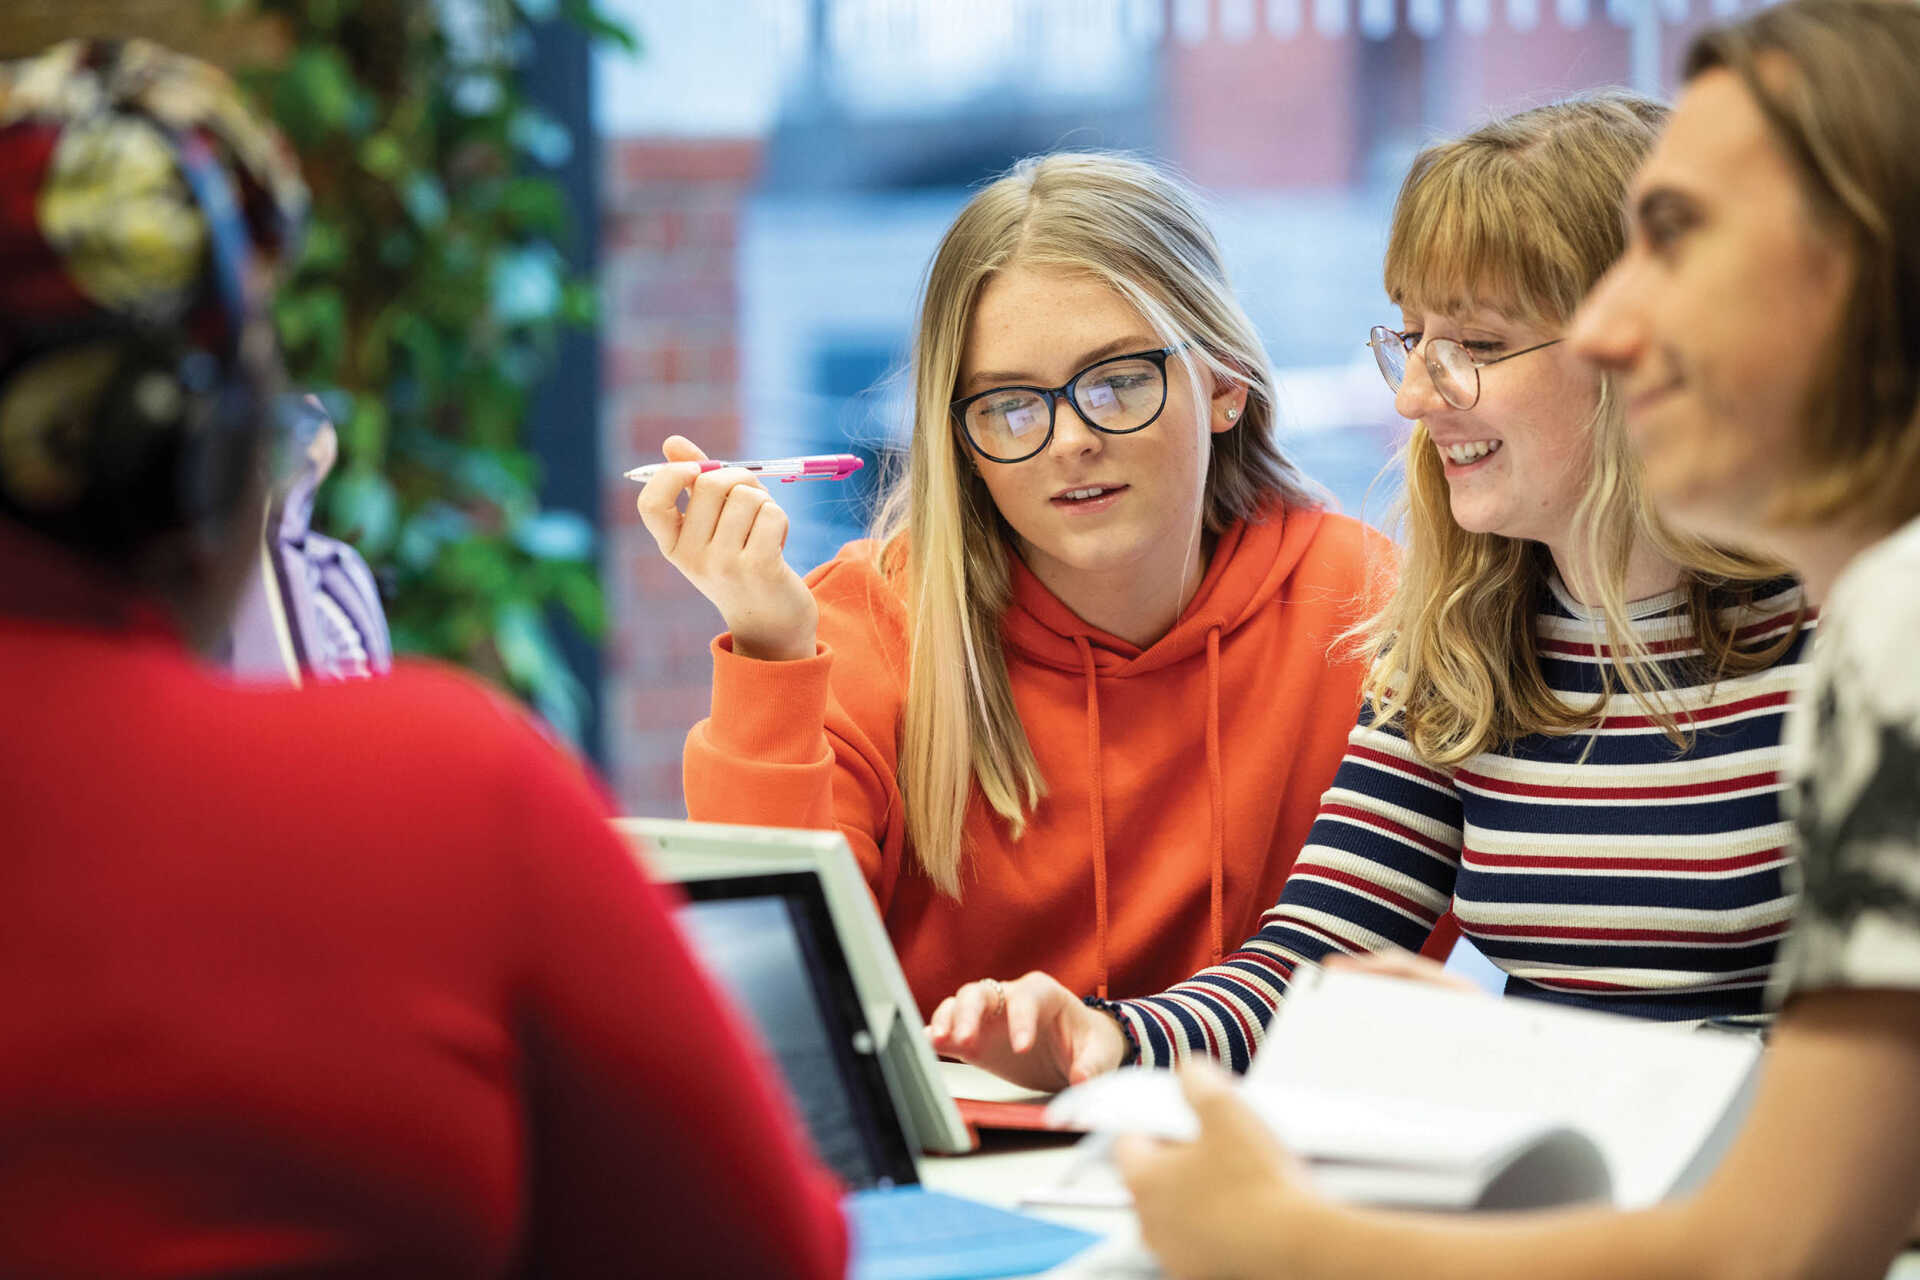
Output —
(1096, 806)
(1217, 797)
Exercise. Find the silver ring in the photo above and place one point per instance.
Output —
(999, 995)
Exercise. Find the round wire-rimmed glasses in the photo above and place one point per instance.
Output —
(1454, 370)
(1118, 396)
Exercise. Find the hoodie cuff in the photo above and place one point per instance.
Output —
(769, 712)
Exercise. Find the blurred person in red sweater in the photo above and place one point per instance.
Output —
(417, 1038)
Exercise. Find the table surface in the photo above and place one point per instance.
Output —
(1009, 1164)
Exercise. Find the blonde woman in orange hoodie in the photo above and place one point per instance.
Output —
(1074, 704)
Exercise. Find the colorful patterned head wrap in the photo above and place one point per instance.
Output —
(137, 192)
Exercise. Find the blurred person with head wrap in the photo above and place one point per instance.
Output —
(421, 1038)
(108, 252)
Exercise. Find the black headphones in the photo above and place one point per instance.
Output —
(115, 431)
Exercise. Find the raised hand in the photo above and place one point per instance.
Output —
(728, 543)
(1032, 1031)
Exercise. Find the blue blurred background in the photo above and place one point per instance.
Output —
(777, 173)
(549, 233)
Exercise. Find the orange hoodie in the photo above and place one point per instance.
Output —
(1181, 778)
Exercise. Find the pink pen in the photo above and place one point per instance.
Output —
(819, 466)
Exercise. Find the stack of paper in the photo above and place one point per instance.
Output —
(1409, 1094)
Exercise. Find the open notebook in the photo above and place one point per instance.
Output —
(1407, 1094)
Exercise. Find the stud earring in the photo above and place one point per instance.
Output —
(1232, 414)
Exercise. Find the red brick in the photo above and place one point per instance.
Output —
(642, 230)
(617, 506)
(692, 353)
(1265, 113)
(710, 364)
(619, 232)
(652, 788)
(673, 666)
(678, 364)
(670, 227)
(707, 296)
(713, 228)
(655, 580)
(672, 706)
(718, 434)
(628, 366)
(723, 364)
(651, 160)
(1504, 70)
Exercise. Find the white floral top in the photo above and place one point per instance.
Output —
(1853, 751)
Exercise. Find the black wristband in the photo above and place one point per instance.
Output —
(1113, 1010)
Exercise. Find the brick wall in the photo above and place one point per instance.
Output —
(1500, 70)
(670, 210)
(1264, 112)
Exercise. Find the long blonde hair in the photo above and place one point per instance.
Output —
(1139, 231)
(1525, 214)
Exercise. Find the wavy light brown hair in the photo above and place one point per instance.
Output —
(1838, 82)
(1138, 230)
(1524, 215)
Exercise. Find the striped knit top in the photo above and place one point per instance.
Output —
(1603, 868)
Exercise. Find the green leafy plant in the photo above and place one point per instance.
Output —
(426, 305)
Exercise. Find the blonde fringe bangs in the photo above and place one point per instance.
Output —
(1466, 234)
(938, 531)
(1523, 216)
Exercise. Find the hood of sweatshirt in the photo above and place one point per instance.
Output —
(1250, 563)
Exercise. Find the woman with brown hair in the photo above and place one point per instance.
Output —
(1573, 713)
(1765, 325)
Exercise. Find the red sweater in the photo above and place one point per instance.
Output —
(1182, 778)
(351, 982)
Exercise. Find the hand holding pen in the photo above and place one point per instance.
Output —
(818, 466)
(728, 543)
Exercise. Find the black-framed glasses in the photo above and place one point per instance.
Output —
(1118, 395)
(1454, 370)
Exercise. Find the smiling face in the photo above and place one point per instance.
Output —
(1091, 508)
(1716, 316)
(1516, 463)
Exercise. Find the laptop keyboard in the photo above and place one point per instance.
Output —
(909, 1233)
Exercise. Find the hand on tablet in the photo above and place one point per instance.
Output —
(1032, 1031)
(728, 542)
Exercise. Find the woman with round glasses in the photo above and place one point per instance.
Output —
(1572, 721)
(1074, 705)
(1450, 365)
